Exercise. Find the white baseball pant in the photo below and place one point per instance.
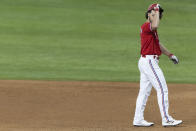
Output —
(151, 75)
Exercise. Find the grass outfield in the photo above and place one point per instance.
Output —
(93, 40)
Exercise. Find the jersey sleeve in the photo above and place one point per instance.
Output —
(147, 28)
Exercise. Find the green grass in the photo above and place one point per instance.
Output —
(92, 40)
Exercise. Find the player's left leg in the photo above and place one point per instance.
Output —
(159, 83)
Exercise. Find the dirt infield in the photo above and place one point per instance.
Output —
(87, 106)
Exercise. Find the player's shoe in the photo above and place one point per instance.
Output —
(173, 122)
(143, 123)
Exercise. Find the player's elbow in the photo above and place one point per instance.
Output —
(154, 27)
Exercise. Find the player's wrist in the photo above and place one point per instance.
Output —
(170, 55)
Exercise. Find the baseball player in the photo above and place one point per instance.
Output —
(150, 72)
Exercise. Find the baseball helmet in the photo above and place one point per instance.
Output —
(152, 6)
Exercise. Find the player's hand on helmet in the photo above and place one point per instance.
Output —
(157, 7)
(174, 59)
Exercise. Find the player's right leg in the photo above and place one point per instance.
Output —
(144, 92)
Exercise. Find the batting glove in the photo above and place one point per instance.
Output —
(156, 8)
(174, 59)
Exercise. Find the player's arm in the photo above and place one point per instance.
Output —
(155, 20)
(166, 52)
(155, 17)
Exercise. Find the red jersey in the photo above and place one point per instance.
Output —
(149, 40)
